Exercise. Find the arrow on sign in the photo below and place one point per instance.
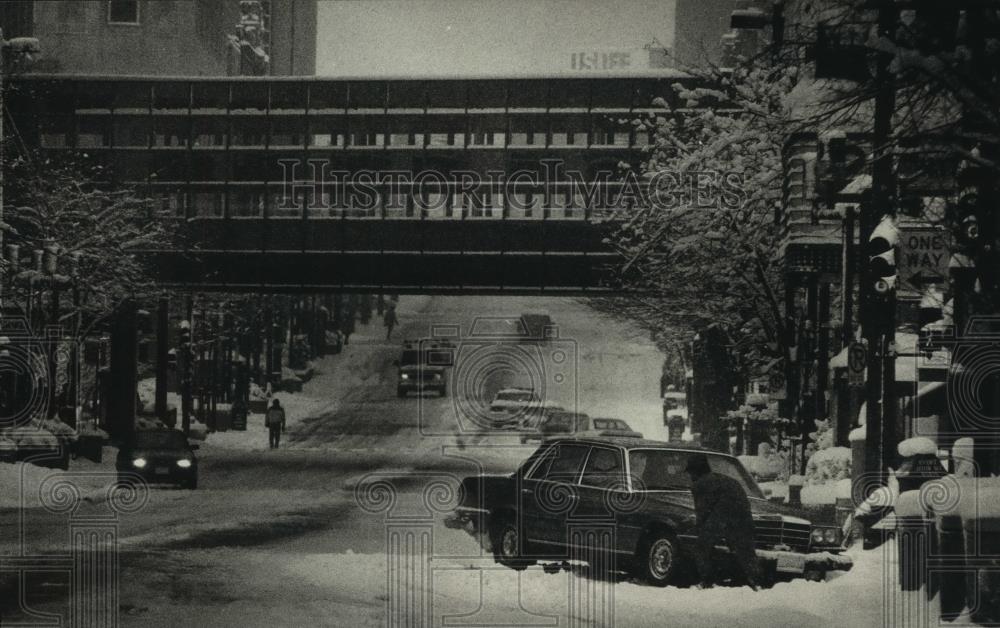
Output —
(921, 278)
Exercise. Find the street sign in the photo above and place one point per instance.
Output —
(857, 361)
(923, 256)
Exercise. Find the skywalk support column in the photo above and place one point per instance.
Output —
(124, 371)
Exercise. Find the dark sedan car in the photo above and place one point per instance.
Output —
(628, 501)
(159, 457)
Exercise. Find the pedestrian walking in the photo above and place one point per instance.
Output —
(275, 421)
(723, 512)
(350, 315)
(389, 320)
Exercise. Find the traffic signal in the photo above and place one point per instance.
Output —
(882, 272)
(185, 334)
(964, 218)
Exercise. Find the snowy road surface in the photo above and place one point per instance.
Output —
(342, 526)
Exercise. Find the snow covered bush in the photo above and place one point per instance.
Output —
(829, 465)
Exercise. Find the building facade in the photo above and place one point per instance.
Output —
(162, 37)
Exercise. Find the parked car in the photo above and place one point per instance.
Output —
(542, 511)
(577, 424)
(512, 405)
(49, 446)
(159, 457)
(536, 416)
(560, 423)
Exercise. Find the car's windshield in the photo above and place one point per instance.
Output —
(664, 470)
(160, 440)
(410, 356)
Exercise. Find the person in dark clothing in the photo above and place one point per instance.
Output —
(275, 420)
(390, 321)
(723, 513)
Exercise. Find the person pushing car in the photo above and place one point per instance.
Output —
(723, 512)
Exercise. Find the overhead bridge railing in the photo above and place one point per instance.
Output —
(392, 272)
(503, 222)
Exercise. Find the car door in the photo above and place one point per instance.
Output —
(602, 491)
(555, 495)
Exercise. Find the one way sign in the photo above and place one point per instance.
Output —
(923, 256)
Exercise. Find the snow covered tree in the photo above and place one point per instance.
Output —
(704, 244)
(93, 233)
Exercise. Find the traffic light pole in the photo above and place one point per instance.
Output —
(879, 330)
(162, 348)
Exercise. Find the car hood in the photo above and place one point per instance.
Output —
(761, 508)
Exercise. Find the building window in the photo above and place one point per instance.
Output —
(123, 11)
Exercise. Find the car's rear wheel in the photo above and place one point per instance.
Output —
(658, 559)
(400, 392)
(507, 544)
(191, 483)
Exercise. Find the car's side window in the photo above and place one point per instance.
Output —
(604, 469)
(567, 463)
(544, 459)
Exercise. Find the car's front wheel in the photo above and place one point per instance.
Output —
(507, 544)
(658, 559)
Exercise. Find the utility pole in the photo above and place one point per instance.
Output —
(162, 348)
(880, 334)
(184, 358)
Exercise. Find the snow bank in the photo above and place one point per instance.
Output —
(973, 499)
(910, 504)
(24, 485)
(961, 453)
(813, 494)
(764, 467)
(919, 445)
(483, 593)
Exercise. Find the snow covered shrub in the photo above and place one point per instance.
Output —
(829, 465)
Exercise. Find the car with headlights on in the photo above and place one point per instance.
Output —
(638, 494)
(422, 366)
(159, 457)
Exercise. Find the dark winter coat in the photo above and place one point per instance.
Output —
(722, 508)
(275, 417)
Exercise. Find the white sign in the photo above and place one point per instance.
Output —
(601, 60)
(923, 256)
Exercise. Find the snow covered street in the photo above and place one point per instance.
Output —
(302, 535)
